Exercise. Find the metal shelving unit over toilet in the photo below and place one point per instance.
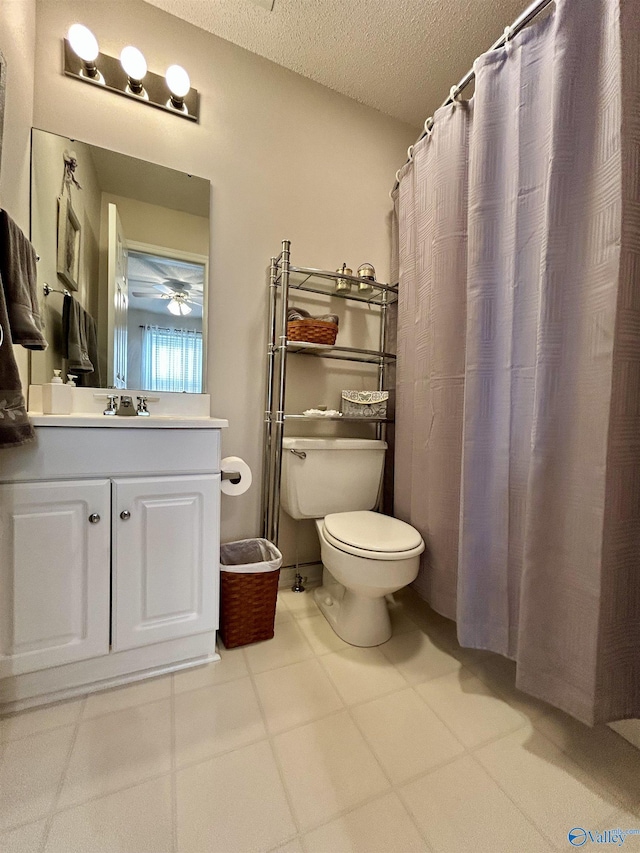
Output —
(283, 279)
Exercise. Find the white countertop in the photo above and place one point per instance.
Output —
(132, 422)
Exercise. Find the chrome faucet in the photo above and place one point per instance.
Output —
(111, 408)
(142, 410)
(126, 406)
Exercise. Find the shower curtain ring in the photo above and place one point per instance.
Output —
(410, 153)
(398, 176)
(428, 127)
(508, 35)
(454, 95)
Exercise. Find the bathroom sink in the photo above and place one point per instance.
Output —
(78, 419)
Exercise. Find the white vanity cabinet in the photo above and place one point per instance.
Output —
(54, 573)
(109, 556)
(165, 558)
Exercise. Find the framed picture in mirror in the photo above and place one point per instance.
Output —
(68, 244)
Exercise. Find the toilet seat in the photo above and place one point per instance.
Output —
(372, 535)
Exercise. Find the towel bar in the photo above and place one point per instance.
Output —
(48, 289)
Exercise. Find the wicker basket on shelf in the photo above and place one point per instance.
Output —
(312, 331)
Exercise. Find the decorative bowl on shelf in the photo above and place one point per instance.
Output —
(321, 413)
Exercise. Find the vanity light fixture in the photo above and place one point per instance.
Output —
(135, 67)
(178, 307)
(85, 46)
(179, 84)
(129, 76)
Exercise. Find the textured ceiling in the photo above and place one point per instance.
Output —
(399, 56)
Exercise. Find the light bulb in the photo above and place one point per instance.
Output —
(178, 81)
(83, 42)
(134, 63)
(178, 308)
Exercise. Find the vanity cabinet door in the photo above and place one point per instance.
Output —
(54, 574)
(166, 551)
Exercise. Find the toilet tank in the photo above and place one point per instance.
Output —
(336, 475)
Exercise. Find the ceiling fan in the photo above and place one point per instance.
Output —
(178, 282)
(176, 293)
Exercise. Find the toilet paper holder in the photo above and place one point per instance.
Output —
(235, 476)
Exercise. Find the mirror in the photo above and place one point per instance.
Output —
(123, 251)
(3, 92)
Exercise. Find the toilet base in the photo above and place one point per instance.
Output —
(357, 620)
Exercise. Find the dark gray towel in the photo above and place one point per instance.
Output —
(15, 427)
(19, 278)
(74, 332)
(91, 380)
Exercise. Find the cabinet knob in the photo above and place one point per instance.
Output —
(94, 518)
(125, 515)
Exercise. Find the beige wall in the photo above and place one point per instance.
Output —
(17, 43)
(286, 158)
(160, 226)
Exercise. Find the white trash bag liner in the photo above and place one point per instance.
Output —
(248, 556)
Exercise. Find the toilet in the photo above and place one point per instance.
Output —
(365, 555)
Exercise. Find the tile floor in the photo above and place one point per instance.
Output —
(304, 744)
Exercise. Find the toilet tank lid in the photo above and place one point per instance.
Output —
(372, 531)
(293, 443)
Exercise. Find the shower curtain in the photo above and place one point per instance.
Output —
(518, 373)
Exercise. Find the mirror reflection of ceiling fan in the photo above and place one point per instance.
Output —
(176, 293)
(179, 283)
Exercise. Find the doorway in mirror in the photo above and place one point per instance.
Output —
(164, 326)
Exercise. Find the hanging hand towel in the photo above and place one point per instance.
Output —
(15, 427)
(19, 279)
(74, 331)
(19, 324)
(91, 380)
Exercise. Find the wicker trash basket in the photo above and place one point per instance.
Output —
(249, 573)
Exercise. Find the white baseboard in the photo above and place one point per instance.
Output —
(45, 686)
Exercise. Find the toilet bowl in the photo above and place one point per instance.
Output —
(365, 555)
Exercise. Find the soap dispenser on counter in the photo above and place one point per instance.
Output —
(56, 396)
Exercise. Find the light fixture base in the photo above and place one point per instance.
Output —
(113, 77)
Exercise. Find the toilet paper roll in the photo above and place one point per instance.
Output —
(232, 464)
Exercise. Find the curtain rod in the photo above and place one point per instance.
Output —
(520, 23)
(168, 329)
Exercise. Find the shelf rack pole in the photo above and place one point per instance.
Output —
(383, 347)
(268, 409)
(282, 364)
